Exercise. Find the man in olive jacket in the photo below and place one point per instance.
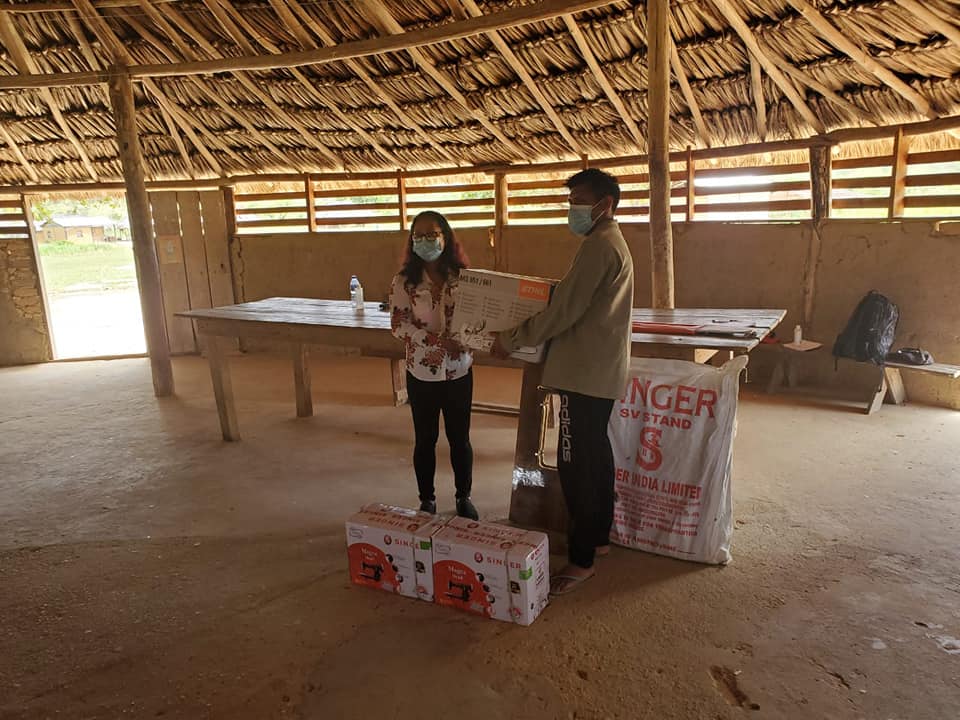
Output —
(588, 325)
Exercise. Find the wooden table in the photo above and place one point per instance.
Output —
(301, 322)
(536, 499)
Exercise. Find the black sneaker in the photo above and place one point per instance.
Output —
(465, 509)
(429, 506)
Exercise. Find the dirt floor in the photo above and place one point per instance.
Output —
(149, 570)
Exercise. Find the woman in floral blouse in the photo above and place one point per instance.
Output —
(439, 374)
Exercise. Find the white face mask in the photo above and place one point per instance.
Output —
(580, 218)
(429, 246)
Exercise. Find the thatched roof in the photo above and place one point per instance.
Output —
(535, 91)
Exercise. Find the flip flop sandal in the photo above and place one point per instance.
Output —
(602, 551)
(573, 582)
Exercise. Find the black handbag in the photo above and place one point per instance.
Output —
(910, 356)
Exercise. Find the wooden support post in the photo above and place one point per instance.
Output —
(898, 176)
(691, 188)
(141, 229)
(235, 250)
(223, 387)
(821, 189)
(584, 162)
(658, 100)
(821, 182)
(501, 216)
(308, 190)
(301, 380)
(402, 199)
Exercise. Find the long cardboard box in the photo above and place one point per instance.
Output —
(488, 302)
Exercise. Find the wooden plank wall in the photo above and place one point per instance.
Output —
(192, 247)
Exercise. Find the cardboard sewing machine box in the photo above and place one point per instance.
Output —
(390, 548)
(492, 570)
(488, 302)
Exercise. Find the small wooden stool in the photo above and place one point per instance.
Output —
(786, 370)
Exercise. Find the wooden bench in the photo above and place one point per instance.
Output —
(890, 383)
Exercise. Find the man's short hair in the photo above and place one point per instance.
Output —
(601, 184)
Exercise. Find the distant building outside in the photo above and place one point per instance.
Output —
(82, 229)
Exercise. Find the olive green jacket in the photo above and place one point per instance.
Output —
(588, 320)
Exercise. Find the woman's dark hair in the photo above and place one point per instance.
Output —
(452, 260)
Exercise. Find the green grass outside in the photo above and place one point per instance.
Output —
(72, 267)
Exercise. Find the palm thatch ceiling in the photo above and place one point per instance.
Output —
(575, 84)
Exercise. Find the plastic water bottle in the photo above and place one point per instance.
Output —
(797, 335)
(356, 294)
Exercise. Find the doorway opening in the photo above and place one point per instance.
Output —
(86, 258)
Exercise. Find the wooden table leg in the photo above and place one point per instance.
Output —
(779, 375)
(301, 380)
(223, 387)
(398, 374)
(876, 401)
(896, 392)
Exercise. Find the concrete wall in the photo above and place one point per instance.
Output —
(24, 337)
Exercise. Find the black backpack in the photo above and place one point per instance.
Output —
(870, 331)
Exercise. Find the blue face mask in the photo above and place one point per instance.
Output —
(428, 249)
(580, 219)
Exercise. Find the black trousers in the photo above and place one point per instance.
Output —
(586, 468)
(452, 398)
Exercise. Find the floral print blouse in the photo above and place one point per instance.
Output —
(421, 320)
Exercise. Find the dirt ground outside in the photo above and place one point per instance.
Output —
(93, 299)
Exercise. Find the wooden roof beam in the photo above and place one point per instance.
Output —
(756, 86)
(750, 41)
(382, 18)
(510, 57)
(285, 12)
(612, 97)
(805, 79)
(242, 25)
(946, 28)
(13, 41)
(178, 141)
(186, 123)
(181, 22)
(688, 94)
(119, 51)
(201, 86)
(213, 95)
(55, 7)
(86, 49)
(182, 120)
(327, 39)
(829, 32)
(18, 153)
(513, 17)
(219, 11)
